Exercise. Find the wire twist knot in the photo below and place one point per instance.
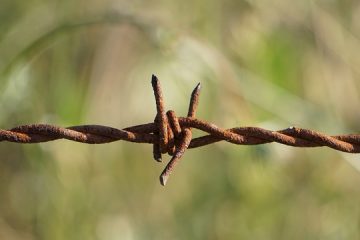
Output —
(172, 137)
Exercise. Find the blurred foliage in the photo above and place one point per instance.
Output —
(265, 63)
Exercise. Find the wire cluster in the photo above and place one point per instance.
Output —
(171, 134)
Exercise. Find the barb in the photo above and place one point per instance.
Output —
(172, 134)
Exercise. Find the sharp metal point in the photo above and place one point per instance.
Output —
(198, 86)
(196, 89)
(163, 179)
(154, 79)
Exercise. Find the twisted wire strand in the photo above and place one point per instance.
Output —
(172, 134)
(97, 134)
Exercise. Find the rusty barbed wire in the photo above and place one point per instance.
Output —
(171, 134)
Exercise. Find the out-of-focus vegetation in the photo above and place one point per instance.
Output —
(264, 63)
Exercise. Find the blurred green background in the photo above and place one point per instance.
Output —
(269, 64)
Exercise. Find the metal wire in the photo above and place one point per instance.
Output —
(172, 135)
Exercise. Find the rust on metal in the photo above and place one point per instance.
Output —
(161, 118)
(172, 134)
(184, 142)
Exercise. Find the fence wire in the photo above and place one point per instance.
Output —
(171, 134)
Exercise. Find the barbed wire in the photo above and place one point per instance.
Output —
(171, 134)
